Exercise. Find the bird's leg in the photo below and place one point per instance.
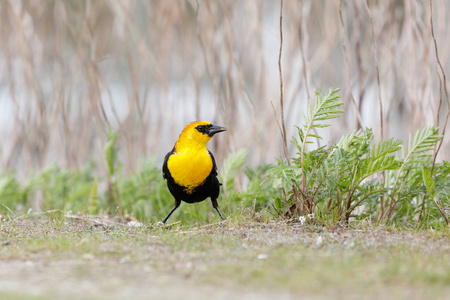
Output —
(216, 206)
(177, 204)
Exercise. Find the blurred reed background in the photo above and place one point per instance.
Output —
(70, 70)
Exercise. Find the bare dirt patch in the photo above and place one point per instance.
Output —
(47, 258)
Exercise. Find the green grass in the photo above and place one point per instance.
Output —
(143, 194)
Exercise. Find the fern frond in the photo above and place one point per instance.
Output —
(325, 108)
(356, 143)
(423, 142)
(370, 166)
(428, 181)
(420, 147)
(419, 150)
(384, 147)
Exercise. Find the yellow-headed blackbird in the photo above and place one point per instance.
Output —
(190, 168)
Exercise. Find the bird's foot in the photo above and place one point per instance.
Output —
(167, 226)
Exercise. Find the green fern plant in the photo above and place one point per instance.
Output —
(344, 181)
(325, 108)
(294, 178)
(419, 153)
(437, 190)
(371, 161)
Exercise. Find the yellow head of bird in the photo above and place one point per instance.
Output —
(198, 134)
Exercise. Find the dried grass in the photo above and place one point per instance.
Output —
(70, 70)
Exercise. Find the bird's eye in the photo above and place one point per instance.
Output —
(200, 128)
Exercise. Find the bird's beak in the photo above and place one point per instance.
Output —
(215, 129)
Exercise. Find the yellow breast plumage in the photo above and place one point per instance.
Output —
(190, 168)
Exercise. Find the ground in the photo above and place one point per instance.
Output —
(51, 257)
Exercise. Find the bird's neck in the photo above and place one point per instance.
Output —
(186, 144)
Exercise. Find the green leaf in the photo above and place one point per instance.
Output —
(231, 167)
(428, 180)
(93, 207)
(109, 152)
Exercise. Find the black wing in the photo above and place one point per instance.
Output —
(165, 169)
(214, 170)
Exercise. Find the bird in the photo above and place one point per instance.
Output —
(190, 168)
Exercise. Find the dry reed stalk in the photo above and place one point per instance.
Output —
(282, 121)
(377, 68)
(71, 70)
(445, 92)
